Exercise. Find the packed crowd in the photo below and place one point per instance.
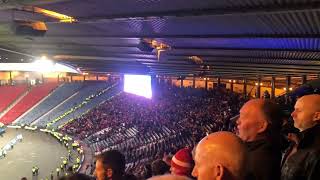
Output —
(144, 138)
(172, 106)
(174, 118)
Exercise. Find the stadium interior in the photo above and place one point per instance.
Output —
(144, 77)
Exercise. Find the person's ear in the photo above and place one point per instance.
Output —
(219, 171)
(109, 173)
(194, 172)
(316, 116)
(262, 126)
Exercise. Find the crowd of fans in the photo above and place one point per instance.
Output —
(136, 138)
(145, 129)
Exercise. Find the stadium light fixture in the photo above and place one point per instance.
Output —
(44, 65)
(43, 57)
(61, 17)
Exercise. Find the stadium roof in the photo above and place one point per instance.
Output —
(228, 38)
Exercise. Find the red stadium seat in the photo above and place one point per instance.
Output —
(33, 97)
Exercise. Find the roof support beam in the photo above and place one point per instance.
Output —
(253, 10)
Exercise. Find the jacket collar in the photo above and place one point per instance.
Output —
(310, 136)
(256, 144)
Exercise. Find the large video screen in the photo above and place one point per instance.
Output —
(138, 84)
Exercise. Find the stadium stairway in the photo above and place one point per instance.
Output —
(87, 90)
(88, 158)
(95, 101)
(30, 99)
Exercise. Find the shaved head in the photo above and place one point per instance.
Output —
(306, 112)
(313, 101)
(169, 177)
(220, 154)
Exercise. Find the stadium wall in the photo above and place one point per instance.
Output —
(200, 83)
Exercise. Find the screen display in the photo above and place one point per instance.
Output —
(138, 84)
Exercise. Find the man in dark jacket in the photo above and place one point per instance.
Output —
(304, 163)
(259, 127)
(110, 165)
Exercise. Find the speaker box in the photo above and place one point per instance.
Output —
(28, 28)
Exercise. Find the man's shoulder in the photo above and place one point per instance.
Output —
(266, 154)
(264, 164)
(301, 164)
(310, 139)
(311, 150)
(313, 155)
(264, 148)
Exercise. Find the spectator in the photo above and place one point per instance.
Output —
(304, 164)
(147, 171)
(144, 130)
(182, 163)
(221, 155)
(159, 167)
(266, 94)
(167, 159)
(169, 177)
(259, 126)
(110, 165)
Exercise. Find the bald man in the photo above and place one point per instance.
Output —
(221, 155)
(169, 177)
(304, 163)
(259, 127)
